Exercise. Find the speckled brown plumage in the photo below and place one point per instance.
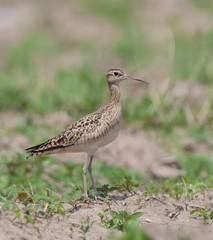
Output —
(85, 131)
(90, 132)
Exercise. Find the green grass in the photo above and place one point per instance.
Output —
(36, 183)
(26, 53)
(204, 214)
(84, 226)
(117, 11)
(33, 172)
(25, 88)
(23, 174)
(74, 89)
(199, 133)
(132, 48)
(193, 54)
(197, 166)
(205, 5)
(177, 188)
(154, 113)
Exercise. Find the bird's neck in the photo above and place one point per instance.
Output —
(115, 94)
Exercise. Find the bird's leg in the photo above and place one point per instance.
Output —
(85, 176)
(91, 176)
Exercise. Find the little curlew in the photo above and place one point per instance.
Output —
(90, 132)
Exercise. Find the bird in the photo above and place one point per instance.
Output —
(92, 131)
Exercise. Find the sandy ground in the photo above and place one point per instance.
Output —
(160, 219)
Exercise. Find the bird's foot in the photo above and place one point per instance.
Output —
(99, 197)
(85, 196)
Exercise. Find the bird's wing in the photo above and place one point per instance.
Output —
(80, 131)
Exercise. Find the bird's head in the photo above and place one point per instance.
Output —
(116, 75)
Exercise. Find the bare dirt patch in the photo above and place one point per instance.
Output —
(58, 119)
(161, 219)
(9, 120)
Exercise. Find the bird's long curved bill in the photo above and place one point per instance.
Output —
(137, 79)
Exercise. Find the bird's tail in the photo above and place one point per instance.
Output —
(34, 151)
(45, 148)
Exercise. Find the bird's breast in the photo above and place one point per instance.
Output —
(110, 126)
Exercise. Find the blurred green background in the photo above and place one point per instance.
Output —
(54, 58)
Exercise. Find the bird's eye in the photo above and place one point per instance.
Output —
(115, 73)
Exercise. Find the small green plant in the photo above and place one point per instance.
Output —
(35, 205)
(120, 220)
(139, 203)
(10, 205)
(187, 188)
(108, 203)
(84, 226)
(178, 208)
(204, 214)
(128, 185)
(106, 188)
